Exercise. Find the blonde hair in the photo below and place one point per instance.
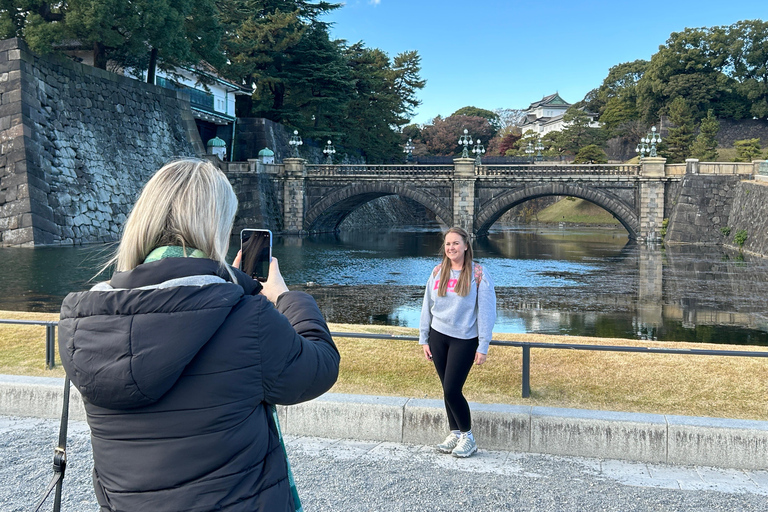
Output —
(188, 203)
(462, 286)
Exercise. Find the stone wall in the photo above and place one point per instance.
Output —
(702, 209)
(749, 212)
(77, 144)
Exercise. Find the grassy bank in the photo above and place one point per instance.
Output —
(576, 211)
(729, 387)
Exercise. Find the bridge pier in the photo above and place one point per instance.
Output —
(652, 170)
(464, 194)
(294, 195)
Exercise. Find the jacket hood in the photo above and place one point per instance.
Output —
(126, 347)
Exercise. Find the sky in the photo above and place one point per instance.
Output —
(508, 53)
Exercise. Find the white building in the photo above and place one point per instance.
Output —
(211, 98)
(546, 115)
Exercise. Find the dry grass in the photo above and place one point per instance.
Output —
(731, 387)
(691, 385)
(22, 347)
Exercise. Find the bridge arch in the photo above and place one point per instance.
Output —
(329, 212)
(503, 202)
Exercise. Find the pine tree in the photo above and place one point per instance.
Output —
(705, 146)
(677, 146)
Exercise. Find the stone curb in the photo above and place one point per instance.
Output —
(655, 438)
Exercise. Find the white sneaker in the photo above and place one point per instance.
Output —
(465, 447)
(449, 444)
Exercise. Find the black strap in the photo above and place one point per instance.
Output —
(59, 457)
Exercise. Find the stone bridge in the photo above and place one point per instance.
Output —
(317, 198)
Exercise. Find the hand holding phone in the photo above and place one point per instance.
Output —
(256, 253)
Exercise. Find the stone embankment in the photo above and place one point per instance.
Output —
(712, 209)
(78, 143)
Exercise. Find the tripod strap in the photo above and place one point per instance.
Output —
(59, 457)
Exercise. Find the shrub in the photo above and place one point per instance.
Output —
(725, 230)
(740, 237)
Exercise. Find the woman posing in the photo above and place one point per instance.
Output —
(180, 358)
(456, 327)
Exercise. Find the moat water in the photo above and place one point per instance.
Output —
(575, 281)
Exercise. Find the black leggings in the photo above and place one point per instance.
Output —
(453, 358)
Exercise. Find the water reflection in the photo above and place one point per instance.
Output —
(576, 281)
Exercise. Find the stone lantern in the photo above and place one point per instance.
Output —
(217, 147)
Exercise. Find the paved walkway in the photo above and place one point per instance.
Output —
(340, 476)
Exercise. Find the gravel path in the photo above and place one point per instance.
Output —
(335, 475)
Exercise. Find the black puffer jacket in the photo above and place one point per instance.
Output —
(175, 365)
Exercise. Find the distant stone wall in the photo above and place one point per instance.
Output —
(731, 131)
(77, 144)
(702, 209)
(749, 212)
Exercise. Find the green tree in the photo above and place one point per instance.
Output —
(492, 117)
(577, 133)
(616, 98)
(39, 23)
(131, 34)
(747, 150)
(705, 146)
(677, 146)
(748, 45)
(697, 65)
(261, 39)
(407, 83)
(591, 154)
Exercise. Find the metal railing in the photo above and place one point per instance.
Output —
(50, 347)
(378, 171)
(527, 346)
(50, 337)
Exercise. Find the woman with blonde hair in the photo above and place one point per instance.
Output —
(180, 358)
(456, 327)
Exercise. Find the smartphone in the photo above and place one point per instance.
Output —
(256, 252)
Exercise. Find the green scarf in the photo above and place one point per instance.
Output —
(174, 251)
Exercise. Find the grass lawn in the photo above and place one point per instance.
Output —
(576, 211)
(728, 387)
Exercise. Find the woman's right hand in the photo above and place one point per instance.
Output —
(427, 352)
(274, 286)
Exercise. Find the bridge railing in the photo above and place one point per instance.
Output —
(398, 170)
(564, 169)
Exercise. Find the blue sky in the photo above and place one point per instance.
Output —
(508, 54)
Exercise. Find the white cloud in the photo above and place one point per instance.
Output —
(374, 2)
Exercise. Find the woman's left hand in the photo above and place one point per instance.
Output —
(236, 263)
(480, 358)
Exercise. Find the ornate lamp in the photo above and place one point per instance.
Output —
(478, 150)
(408, 150)
(648, 143)
(295, 142)
(329, 151)
(465, 140)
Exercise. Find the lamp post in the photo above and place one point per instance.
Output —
(478, 150)
(465, 140)
(648, 143)
(408, 150)
(529, 150)
(329, 151)
(539, 148)
(295, 142)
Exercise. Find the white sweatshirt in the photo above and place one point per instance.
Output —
(457, 316)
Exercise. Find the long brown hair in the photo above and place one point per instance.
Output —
(465, 279)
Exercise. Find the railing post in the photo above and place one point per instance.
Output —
(50, 346)
(526, 371)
